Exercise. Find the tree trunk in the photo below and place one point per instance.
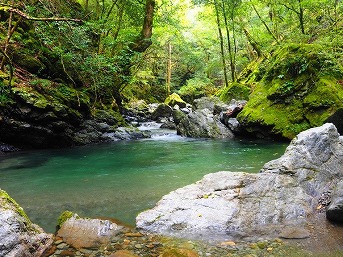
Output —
(221, 43)
(252, 42)
(232, 63)
(301, 17)
(144, 40)
(264, 23)
(169, 67)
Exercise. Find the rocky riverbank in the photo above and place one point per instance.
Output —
(287, 199)
(224, 214)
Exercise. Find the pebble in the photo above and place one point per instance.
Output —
(135, 244)
(58, 242)
(61, 246)
(138, 246)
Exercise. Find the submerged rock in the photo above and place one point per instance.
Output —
(241, 205)
(18, 235)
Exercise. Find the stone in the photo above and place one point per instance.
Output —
(238, 205)
(334, 211)
(294, 233)
(123, 253)
(175, 252)
(18, 235)
(87, 233)
(162, 111)
(206, 103)
(200, 124)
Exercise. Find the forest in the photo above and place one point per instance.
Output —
(165, 123)
(83, 56)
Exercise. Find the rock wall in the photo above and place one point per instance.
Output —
(285, 196)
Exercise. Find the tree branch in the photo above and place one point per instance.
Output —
(27, 17)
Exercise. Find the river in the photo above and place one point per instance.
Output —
(120, 179)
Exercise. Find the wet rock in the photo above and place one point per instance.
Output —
(87, 233)
(334, 211)
(18, 235)
(162, 111)
(200, 124)
(206, 103)
(7, 148)
(123, 253)
(129, 133)
(242, 205)
(175, 252)
(294, 233)
(231, 110)
(233, 125)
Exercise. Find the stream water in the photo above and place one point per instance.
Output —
(120, 179)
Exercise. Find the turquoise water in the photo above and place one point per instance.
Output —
(120, 179)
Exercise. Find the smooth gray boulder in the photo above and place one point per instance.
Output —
(279, 201)
(18, 235)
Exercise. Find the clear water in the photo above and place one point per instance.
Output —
(120, 179)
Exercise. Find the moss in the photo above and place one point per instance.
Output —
(175, 99)
(293, 95)
(6, 200)
(29, 62)
(64, 217)
(236, 91)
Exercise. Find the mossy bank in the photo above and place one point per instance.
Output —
(298, 87)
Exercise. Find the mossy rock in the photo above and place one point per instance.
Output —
(64, 217)
(175, 99)
(300, 89)
(8, 202)
(109, 116)
(28, 62)
(236, 91)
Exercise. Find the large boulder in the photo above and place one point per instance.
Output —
(295, 89)
(18, 235)
(284, 197)
(200, 124)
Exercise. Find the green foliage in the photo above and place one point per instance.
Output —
(236, 91)
(196, 88)
(5, 93)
